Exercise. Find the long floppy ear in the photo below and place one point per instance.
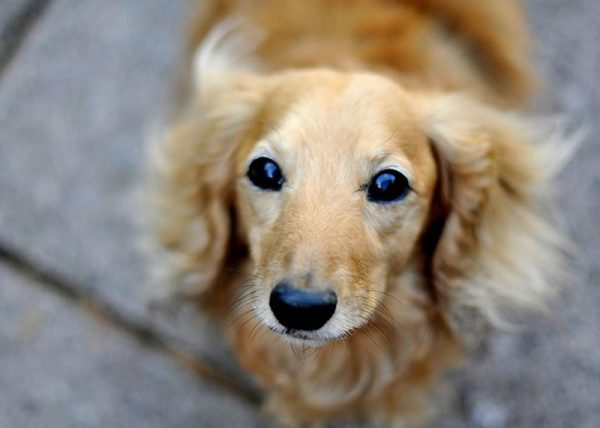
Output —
(497, 251)
(193, 164)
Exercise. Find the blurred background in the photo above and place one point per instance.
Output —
(81, 82)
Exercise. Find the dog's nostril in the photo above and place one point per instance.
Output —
(299, 309)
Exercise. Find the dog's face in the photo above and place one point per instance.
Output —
(332, 196)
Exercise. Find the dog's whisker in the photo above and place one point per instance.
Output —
(249, 313)
(380, 310)
(236, 306)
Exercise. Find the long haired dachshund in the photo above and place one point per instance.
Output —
(345, 186)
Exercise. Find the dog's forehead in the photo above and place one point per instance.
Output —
(353, 122)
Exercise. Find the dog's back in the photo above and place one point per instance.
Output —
(477, 47)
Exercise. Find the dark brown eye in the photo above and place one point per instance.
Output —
(265, 174)
(388, 186)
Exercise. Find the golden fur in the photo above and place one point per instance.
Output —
(334, 90)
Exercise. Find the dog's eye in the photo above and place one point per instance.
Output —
(265, 174)
(387, 186)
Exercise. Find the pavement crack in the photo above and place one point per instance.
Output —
(13, 34)
(203, 365)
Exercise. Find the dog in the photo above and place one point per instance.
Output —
(351, 186)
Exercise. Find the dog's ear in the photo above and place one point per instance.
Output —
(496, 252)
(194, 182)
(194, 163)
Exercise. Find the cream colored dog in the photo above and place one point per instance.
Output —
(344, 177)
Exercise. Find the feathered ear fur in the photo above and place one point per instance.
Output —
(194, 163)
(497, 251)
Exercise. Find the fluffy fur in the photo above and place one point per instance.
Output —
(334, 91)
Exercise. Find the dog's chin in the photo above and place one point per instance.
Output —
(313, 339)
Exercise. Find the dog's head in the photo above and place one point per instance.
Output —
(332, 196)
(342, 187)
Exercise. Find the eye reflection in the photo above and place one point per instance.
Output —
(265, 174)
(388, 185)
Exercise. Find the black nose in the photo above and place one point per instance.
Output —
(299, 309)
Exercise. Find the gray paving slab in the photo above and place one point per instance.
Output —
(61, 367)
(74, 107)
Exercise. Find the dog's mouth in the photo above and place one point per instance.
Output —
(305, 338)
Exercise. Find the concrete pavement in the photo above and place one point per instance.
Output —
(76, 100)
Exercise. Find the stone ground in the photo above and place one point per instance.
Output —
(80, 84)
